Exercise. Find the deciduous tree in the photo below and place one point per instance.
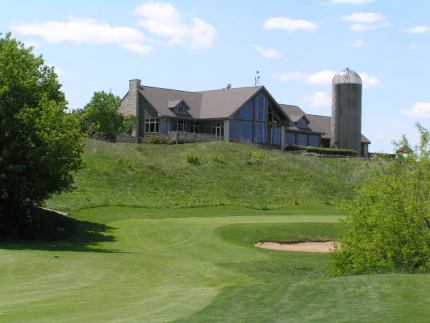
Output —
(40, 144)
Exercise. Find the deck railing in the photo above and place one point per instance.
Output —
(184, 137)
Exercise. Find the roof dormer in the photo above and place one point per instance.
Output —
(178, 106)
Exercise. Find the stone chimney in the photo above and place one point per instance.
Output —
(133, 85)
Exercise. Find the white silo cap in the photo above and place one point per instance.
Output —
(347, 76)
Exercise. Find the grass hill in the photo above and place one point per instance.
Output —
(208, 174)
(173, 263)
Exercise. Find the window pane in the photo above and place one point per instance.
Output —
(290, 139)
(314, 140)
(165, 125)
(261, 104)
(276, 135)
(260, 130)
(245, 131)
(246, 113)
(302, 140)
(233, 130)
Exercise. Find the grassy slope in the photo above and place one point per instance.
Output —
(200, 267)
(160, 176)
(199, 264)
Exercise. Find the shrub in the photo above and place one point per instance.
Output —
(219, 159)
(156, 139)
(389, 220)
(324, 151)
(193, 160)
(254, 157)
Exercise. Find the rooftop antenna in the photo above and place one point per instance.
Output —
(257, 78)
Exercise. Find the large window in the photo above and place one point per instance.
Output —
(194, 127)
(260, 132)
(290, 139)
(245, 131)
(234, 131)
(246, 112)
(302, 140)
(180, 125)
(250, 123)
(314, 140)
(165, 125)
(276, 135)
(261, 106)
(152, 125)
(218, 129)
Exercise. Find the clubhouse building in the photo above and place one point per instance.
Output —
(248, 114)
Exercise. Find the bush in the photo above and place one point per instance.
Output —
(219, 159)
(324, 151)
(157, 139)
(254, 157)
(193, 160)
(389, 220)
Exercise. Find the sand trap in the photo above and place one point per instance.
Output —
(325, 246)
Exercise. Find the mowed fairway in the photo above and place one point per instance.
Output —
(198, 265)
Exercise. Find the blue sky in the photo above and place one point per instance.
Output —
(200, 45)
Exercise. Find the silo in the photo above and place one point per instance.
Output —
(346, 110)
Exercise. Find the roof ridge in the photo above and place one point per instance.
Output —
(233, 88)
(164, 88)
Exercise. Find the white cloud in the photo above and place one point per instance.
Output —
(418, 29)
(364, 17)
(380, 136)
(369, 80)
(318, 100)
(164, 21)
(420, 110)
(269, 53)
(359, 43)
(322, 78)
(365, 21)
(289, 24)
(85, 31)
(351, 1)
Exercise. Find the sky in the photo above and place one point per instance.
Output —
(296, 46)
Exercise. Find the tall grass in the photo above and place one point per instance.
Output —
(225, 174)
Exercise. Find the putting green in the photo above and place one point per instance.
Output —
(196, 268)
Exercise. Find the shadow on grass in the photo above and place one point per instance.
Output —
(52, 231)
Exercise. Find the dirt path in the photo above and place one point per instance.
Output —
(326, 246)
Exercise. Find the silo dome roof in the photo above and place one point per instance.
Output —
(347, 76)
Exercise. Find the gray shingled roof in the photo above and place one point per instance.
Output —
(203, 105)
(294, 112)
(159, 98)
(223, 103)
(323, 124)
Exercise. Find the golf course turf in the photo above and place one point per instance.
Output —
(197, 265)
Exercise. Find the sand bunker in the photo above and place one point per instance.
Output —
(309, 246)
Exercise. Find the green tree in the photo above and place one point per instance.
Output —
(128, 125)
(101, 117)
(388, 227)
(40, 144)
